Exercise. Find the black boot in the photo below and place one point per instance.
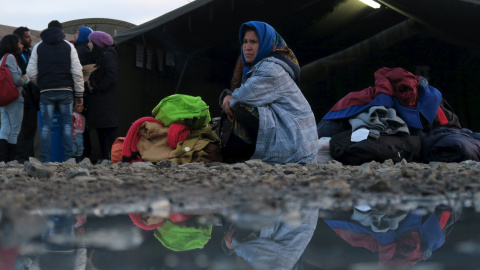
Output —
(12, 151)
(3, 150)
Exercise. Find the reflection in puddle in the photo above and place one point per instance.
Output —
(363, 238)
(400, 238)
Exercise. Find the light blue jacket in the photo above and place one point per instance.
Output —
(280, 246)
(16, 72)
(287, 132)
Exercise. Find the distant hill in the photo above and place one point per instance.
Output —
(5, 30)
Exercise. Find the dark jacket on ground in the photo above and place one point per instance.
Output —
(451, 145)
(101, 103)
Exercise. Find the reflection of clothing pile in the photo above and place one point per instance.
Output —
(8, 256)
(181, 232)
(183, 236)
(404, 117)
(402, 240)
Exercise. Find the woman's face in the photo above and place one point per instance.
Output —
(20, 46)
(90, 45)
(250, 46)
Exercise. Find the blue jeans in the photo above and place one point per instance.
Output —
(12, 116)
(59, 225)
(77, 146)
(63, 100)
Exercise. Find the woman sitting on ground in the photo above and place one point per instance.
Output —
(270, 119)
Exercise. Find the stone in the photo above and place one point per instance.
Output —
(71, 161)
(37, 169)
(105, 163)
(239, 166)
(388, 162)
(256, 163)
(77, 172)
(85, 162)
(14, 164)
(165, 164)
(380, 186)
(193, 166)
(141, 164)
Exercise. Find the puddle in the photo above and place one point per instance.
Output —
(241, 216)
(363, 237)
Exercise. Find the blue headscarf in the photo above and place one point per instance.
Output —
(269, 41)
(83, 34)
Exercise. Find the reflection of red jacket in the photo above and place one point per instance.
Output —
(406, 251)
(175, 218)
(8, 257)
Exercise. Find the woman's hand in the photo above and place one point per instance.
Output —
(226, 107)
(79, 100)
(228, 238)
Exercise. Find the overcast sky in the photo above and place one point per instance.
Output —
(36, 14)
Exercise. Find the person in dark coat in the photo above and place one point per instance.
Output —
(86, 60)
(81, 44)
(54, 67)
(26, 138)
(101, 105)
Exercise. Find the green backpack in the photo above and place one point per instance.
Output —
(182, 109)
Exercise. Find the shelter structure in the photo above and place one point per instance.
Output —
(339, 44)
(111, 26)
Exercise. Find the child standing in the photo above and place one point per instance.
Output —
(78, 123)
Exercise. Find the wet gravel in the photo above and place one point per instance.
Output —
(253, 187)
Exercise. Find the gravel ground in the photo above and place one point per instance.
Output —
(253, 187)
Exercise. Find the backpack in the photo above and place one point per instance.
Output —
(8, 90)
(117, 147)
(182, 109)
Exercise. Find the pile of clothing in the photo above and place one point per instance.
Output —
(179, 132)
(401, 117)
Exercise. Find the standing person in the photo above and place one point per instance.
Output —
(272, 120)
(88, 64)
(26, 138)
(81, 45)
(102, 112)
(11, 114)
(78, 121)
(54, 67)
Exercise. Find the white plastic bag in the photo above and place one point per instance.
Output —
(323, 154)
